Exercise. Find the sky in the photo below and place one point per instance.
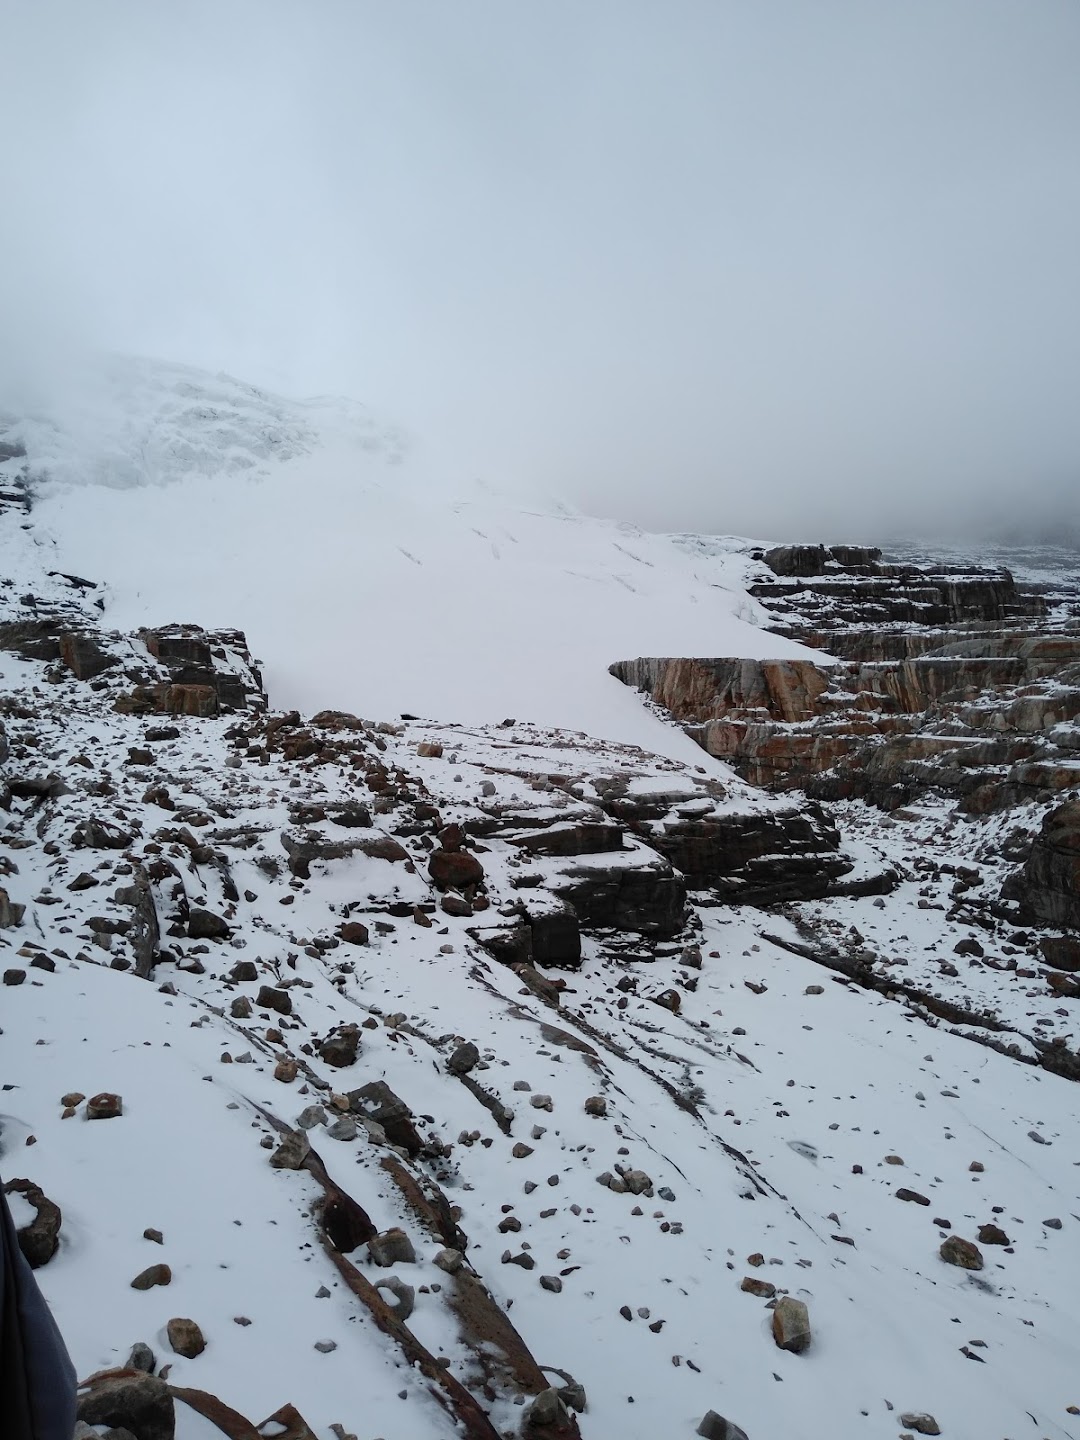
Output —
(796, 268)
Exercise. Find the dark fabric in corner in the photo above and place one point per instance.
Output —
(37, 1379)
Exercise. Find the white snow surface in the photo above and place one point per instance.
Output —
(805, 1086)
(363, 577)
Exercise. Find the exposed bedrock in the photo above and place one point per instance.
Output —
(958, 682)
(988, 730)
(1047, 888)
(696, 690)
(637, 850)
(175, 669)
(851, 583)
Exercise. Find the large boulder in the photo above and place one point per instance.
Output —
(554, 931)
(140, 1404)
(454, 869)
(1048, 887)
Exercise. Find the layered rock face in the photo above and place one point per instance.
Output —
(983, 712)
(809, 586)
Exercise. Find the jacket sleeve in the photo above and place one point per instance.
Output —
(37, 1378)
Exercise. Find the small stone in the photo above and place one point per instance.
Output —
(342, 1129)
(342, 1047)
(105, 1106)
(240, 1009)
(596, 1105)
(324, 1347)
(311, 1116)
(272, 998)
(465, 1058)
(976, 1167)
(141, 1358)
(715, 1427)
(913, 1195)
(761, 1288)
(957, 1251)
(72, 1098)
(154, 1235)
(812, 990)
(524, 1260)
(993, 1235)
(541, 1102)
(920, 1422)
(1054, 1224)
(449, 1260)
(521, 1151)
(292, 1152)
(286, 1070)
(14, 977)
(638, 1182)
(893, 1160)
(791, 1325)
(547, 1414)
(391, 1247)
(40, 1239)
(205, 925)
(185, 1337)
(404, 1294)
(151, 1276)
(552, 1283)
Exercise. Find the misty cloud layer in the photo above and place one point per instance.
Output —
(787, 269)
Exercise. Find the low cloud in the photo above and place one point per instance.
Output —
(780, 270)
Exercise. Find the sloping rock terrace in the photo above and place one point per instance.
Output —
(946, 687)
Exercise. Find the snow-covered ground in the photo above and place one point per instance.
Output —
(776, 1113)
(363, 577)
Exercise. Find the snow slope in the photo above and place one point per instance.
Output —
(777, 1111)
(361, 579)
(762, 1113)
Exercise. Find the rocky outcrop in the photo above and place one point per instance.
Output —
(1047, 888)
(811, 586)
(698, 690)
(990, 722)
(176, 669)
(218, 660)
(647, 898)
